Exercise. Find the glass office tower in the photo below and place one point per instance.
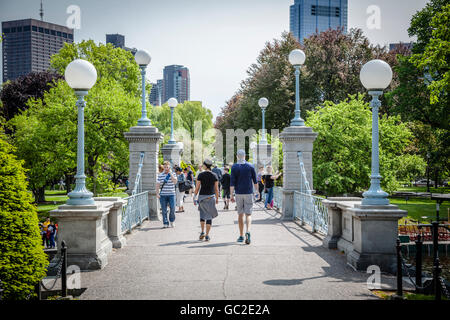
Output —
(314, 16)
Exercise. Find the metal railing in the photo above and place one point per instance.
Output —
(437, 286)
(278, 198)
(60, 273)
(309, 209)
(136, 209)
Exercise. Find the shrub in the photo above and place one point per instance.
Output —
(22, 259)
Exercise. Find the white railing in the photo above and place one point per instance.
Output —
(136, 210)
(309, 209)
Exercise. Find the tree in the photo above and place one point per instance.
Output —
(421, 96)
(22, 261)
(331, 72)
(46, 132)
(435, 59)
(342, 150)
(16, 93)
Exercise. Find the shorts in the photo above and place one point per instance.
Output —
(226, 193)
(244, 203)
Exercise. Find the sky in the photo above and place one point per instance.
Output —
(216, 39)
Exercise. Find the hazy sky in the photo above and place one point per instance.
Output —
(216, 39)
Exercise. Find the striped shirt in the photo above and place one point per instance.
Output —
(169, 187)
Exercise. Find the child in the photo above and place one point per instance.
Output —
(51, 235)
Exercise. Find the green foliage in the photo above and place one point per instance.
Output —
(342, 151)
(111, 63)
(46, 133)
(435, 59)
(22, 261)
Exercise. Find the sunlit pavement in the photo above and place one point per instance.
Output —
(284, 261)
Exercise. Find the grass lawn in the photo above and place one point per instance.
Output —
(424, 189)
(418, 207)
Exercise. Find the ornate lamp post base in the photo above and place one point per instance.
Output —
(144, 122)
(80, 198)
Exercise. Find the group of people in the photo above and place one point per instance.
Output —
(241, 186)
(49, 233)
(266, 182)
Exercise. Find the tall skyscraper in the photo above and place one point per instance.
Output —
(314, 16)
(156, 94)
(118, 41)
(29, 44)
(176, 83)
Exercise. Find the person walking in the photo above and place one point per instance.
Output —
(244, 184)
(165, 192)
(180, 194)
(260, 182)
(269, 182)
(218, 173)
(190, 178)
(207, 189)
(226, 187)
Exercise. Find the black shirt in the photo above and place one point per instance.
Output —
(226, 181)
(207, 180)
(268, 182)
(189, 176)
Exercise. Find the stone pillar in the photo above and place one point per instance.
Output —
(295, 139)
(84, 228)
(172, 153)
(145, 139)
(263, 155)
(115, 233)
(375, 230)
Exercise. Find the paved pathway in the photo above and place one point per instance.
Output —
(284, 261)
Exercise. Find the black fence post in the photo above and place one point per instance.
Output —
(418, 262)
(38, 290)
(64, 269)
(1, 290)
(437, 283)
(399, 270)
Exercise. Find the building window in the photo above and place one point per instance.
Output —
(34, 28)
(70, 36)
(26, 28)
(41, 30)
(64, 35)
(58, 33)
(13, 30)
(47, 31)
(6, 30)
(19, 29)
(325, 11)
(53, 32)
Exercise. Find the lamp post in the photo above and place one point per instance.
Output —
(297, 58)
(263, 103)
(81, 76)
(143, 58)
(172, 104)
(376, 75)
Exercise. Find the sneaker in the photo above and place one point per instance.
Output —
(207, 238)
(202, 236)
(166, 226)
(240, 239)
(172, 224)
(247, 238)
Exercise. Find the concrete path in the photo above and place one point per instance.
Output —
(284, 261)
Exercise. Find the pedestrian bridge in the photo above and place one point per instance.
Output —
(284, 261)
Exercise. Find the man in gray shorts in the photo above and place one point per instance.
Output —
(243, 182)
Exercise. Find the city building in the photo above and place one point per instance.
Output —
(156, 94)
(28, 45)
(393, 46)
(176, 83)
(308, 17)
(118, 41)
